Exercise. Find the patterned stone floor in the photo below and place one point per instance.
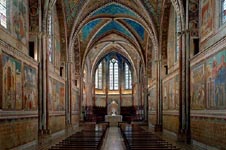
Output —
(113, 140)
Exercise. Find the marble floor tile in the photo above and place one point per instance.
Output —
(113, 140)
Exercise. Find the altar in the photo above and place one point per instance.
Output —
(113, 116)
(113, 119)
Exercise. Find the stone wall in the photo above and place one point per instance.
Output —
(171, 122)
(126, 99)
(19, 85)
(170, 89)
(56, 123)
(208, 98)
(75, 119)
(152, 119)
(209, 130)
(15, 132)
(18, 93)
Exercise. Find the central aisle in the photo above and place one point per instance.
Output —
(113, 140)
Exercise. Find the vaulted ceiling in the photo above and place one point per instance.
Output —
(101, 26)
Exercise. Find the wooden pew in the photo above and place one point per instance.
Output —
(91, 137)
(137, 138)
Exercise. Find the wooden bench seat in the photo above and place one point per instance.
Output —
(90, 138)
(136, 138)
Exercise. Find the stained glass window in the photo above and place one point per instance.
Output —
(3, 17)
(113, 74)
(98, 77)
(128, 77)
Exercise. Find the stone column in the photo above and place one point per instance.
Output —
(133, 85)
(42, 113)
(43, 85)
(43, 74)
(158, 125)
(93, 94)
(146, 99)
(68, 105)
(106, 81)
(184, 133)
(121, 79)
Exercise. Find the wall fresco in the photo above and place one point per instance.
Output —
(56, 95)
(56, 38)
(198, 87)
(33, 16)
(165, 100)
(19, 20)
(171, 93)
(171, 39)
(194, 17)
(11, 83)
(30, 91)
(152, 99)
(75, 101)
(216, 80)
(207, 13)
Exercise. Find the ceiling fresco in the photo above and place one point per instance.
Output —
(72, 8)
(93, 20)
(114, 9)
(137, 27)
(113, 26)
(89, 27)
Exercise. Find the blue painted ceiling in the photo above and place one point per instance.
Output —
(137, 27)
(112, 9)
(113, 26)
(89, 27)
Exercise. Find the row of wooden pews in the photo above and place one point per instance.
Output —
(136, 138)
(89, 138)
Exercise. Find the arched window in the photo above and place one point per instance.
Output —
(223, 11)
(128, 77)
(50, 39)
(178, 30)
(98, 76)
(113, 74)
(3, 17)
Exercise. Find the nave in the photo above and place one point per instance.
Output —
(66, 62)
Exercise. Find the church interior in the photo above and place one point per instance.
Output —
(137, 70)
